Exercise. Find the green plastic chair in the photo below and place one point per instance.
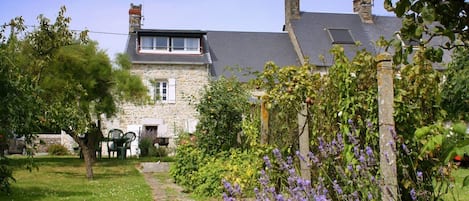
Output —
(111, 145)
(130, 136)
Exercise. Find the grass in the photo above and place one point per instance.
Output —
(63, 178)
(459, 193)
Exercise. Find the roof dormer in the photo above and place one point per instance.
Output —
(170, 42)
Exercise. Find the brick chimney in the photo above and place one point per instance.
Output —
(363, 8)
(292, 10)
(135, 17)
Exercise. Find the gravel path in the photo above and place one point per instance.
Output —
(163, 187)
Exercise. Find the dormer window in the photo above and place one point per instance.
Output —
(186, 44)
(154, 43)
(167, 44)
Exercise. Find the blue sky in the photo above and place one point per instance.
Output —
(111, 16)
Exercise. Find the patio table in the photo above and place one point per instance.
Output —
(120, 145)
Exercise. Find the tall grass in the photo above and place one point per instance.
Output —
(63, 178)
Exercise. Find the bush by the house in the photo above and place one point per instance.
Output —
(145, 144)
(57, 150)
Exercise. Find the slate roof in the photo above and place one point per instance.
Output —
(313, 37)
(249, 51)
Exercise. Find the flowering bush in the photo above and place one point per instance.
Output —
(337, 174)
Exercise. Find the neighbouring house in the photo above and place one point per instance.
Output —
(175, 65)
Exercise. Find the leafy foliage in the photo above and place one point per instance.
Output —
(221, 107)
(436, 147)
(426, 20)
(62, 80)
(6, 175)
(455, 99)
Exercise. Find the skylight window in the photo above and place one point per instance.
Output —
(341, 36)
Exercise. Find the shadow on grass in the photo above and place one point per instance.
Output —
(39, 193)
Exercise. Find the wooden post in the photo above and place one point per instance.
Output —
(264, 122)
(303, 133)
(387, 145)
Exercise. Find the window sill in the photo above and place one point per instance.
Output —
(168, 52)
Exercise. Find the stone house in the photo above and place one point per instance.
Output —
(175, 65)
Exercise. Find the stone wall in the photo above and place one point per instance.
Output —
(45, 140)
(171, 118)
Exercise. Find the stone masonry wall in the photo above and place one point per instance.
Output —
(190, 80)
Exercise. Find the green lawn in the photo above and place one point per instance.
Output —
(460, 194)
(63, 178)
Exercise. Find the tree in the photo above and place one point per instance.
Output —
(76, 81)
(425, 20)
(221, 110)
(19, 106)
(455, 99)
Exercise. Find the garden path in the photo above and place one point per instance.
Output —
(163, 187)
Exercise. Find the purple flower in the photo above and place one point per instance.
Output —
(320, 198)
(289, 160)
(300, 156)
(362, 159)
(277, 154)
(369, 124)
(419, 176)
(350, 121)
(406, 150)
(313, 157)
(369, 151)
(413, 194)
(267, 162)
(350, 168)
(279, 197)
(370, 196)
(337, 188)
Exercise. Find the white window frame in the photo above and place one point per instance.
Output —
(163, 91)
(154, 48)
(170, 49)
(186, 47)
(160, 90)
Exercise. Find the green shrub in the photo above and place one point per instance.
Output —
(158, 151)
(6, 175)
(57, 150)
(145, 144)
(221, 109)
(188, 159)
(207, 181)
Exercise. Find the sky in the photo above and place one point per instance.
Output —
(107, 20)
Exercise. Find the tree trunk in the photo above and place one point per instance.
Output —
(86, 154)
(88, 162)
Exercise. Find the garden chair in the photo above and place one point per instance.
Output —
(130, 136)
(111, 144)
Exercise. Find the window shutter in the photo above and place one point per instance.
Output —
(137, 129)
(163, 130)
(171, 90)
